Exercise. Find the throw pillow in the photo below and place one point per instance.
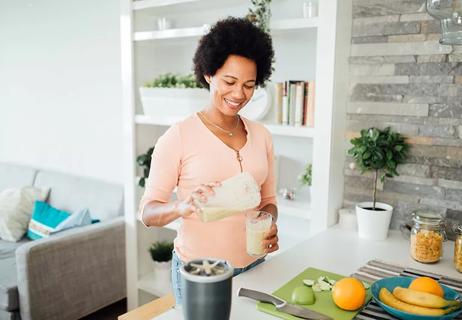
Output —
(15, 210)
(44, 220)
(78, 219)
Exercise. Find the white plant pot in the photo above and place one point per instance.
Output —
(162, 272)
(304, 193)
(373, 225)
(168, 103)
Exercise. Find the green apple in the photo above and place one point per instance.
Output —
(303, 295)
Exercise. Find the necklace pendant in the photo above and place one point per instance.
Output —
(230, 134)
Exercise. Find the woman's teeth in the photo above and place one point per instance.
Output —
(235, 104)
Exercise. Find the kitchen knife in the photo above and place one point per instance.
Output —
(282, 305)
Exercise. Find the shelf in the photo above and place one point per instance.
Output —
(171, 33)
(293, 24)
(280, 130)
(184, 4)
(294, 208)
(284, 130)
(145, 4)
(150, 284)
(278, 25)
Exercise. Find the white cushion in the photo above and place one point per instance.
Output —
(16, 205)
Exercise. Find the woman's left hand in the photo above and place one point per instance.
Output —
(270, 243)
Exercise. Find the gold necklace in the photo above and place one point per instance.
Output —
(229, 133)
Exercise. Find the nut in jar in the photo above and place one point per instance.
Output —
(427, 236)
(458, 249)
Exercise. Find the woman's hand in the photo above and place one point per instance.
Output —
(194, 202)
(270, 243)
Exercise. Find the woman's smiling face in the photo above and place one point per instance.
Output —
(232, 86)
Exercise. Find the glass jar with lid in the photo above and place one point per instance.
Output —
(427, 236)
(458, 249)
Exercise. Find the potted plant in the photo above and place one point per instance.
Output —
(161, 254)
(172, 96)
(144, 161)
(379, 151)
(260, 14)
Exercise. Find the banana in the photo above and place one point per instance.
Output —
(422, 299)
(389, 299)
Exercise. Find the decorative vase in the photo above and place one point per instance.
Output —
(373, 224)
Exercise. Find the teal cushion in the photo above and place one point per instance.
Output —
(44, 220)
(77, 219)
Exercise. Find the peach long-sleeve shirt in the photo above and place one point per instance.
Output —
(188, 155)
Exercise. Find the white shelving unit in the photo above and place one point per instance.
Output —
(310, 49)
(286, 24)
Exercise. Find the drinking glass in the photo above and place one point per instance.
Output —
(258, 223)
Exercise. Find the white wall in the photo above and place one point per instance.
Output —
(60, 88)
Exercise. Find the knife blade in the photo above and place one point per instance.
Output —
(282, 305)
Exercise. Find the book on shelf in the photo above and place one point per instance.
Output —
(295, 103)
(292, 100)
(298, 104)
(279, 91)
(285, 104)
(309, 104)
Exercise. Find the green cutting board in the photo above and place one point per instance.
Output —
(323, 304)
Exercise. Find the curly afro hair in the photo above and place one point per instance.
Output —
(236, 36)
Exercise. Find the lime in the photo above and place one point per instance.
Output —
(303, 295)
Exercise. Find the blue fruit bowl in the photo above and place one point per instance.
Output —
(391, 283)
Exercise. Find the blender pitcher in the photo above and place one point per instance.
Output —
(207, 285)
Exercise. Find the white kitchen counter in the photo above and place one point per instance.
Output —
(336, 250)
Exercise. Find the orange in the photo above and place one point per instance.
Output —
(428, 285)
(349, 294)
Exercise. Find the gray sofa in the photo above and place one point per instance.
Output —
(75, 272)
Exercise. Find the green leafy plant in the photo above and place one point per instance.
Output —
(144, 161)
(306, 176)
(161, 251)
(380, 151)
(260, 14)
(170, 80)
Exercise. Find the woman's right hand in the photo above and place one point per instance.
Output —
(194, 202)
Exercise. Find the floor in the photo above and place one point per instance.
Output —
(111, 312)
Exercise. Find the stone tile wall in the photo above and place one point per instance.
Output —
(400, 76)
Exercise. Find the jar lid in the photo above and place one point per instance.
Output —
(459, 229)
(427, 217)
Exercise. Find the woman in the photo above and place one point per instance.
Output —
(213, 145)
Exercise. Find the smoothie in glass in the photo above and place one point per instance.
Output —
(258, 223)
